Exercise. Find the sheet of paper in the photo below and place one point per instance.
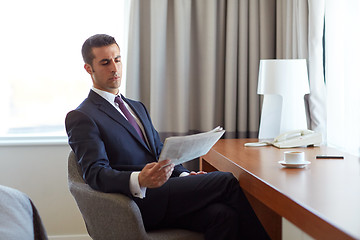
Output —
(181, 149)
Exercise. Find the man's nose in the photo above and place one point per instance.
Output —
(114, 66)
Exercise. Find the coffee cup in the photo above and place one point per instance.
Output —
(294, 157)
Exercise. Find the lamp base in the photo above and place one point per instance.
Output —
(281, 114)
(270, 117)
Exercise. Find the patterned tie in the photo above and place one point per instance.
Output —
(129, 117)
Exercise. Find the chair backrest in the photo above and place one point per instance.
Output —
(106, 215)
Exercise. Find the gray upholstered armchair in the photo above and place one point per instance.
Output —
(114, 216)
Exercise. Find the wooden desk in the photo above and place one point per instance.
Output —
(322, 199)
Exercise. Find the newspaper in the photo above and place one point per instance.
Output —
(181, 149)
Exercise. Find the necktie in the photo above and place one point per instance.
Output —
(128, 115)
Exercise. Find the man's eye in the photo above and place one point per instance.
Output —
(105, 63)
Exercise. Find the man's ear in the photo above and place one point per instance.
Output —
(88, 68)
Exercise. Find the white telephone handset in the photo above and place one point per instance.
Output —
(297, 138)
(292, 134)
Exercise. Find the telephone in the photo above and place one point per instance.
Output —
(297, 138)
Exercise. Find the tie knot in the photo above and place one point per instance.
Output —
(118, 100)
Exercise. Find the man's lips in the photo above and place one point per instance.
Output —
(114, 78)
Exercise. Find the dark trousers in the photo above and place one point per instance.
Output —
(212, 203)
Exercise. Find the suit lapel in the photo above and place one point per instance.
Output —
(145, 124)
(109, 110)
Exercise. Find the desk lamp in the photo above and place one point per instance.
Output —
(283, 82)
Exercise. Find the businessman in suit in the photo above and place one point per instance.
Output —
(118, 155)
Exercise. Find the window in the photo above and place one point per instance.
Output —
(42, 74)
(342, 37)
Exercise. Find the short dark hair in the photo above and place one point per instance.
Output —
(98, 40)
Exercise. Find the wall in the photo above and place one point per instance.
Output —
(291, 232)
(40, 171)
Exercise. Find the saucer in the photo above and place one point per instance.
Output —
(294, 165)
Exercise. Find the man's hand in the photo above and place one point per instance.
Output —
(197, 173)
(154, 174)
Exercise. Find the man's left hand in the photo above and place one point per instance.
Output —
(197, 173)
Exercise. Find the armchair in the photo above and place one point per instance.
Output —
(113, 215)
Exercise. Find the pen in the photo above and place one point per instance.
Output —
(329, 157)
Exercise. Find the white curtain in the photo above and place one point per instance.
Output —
(342, 38)
(317, 97)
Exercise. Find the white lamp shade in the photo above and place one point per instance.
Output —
(283, 77)
(283, 82)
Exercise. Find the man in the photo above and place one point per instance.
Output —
(118, 147)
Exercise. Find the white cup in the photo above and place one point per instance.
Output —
(294, 157)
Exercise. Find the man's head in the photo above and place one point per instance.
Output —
(102, 60)
(98, 40)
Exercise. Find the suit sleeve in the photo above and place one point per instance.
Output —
(85, 140)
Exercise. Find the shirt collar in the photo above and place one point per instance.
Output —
(106, 95)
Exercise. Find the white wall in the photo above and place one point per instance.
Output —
(291, 232)
(40, 171)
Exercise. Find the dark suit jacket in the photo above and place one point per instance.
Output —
(108, 147)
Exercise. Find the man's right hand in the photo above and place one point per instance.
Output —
(155, 174)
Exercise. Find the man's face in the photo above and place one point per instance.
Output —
(106, 69)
